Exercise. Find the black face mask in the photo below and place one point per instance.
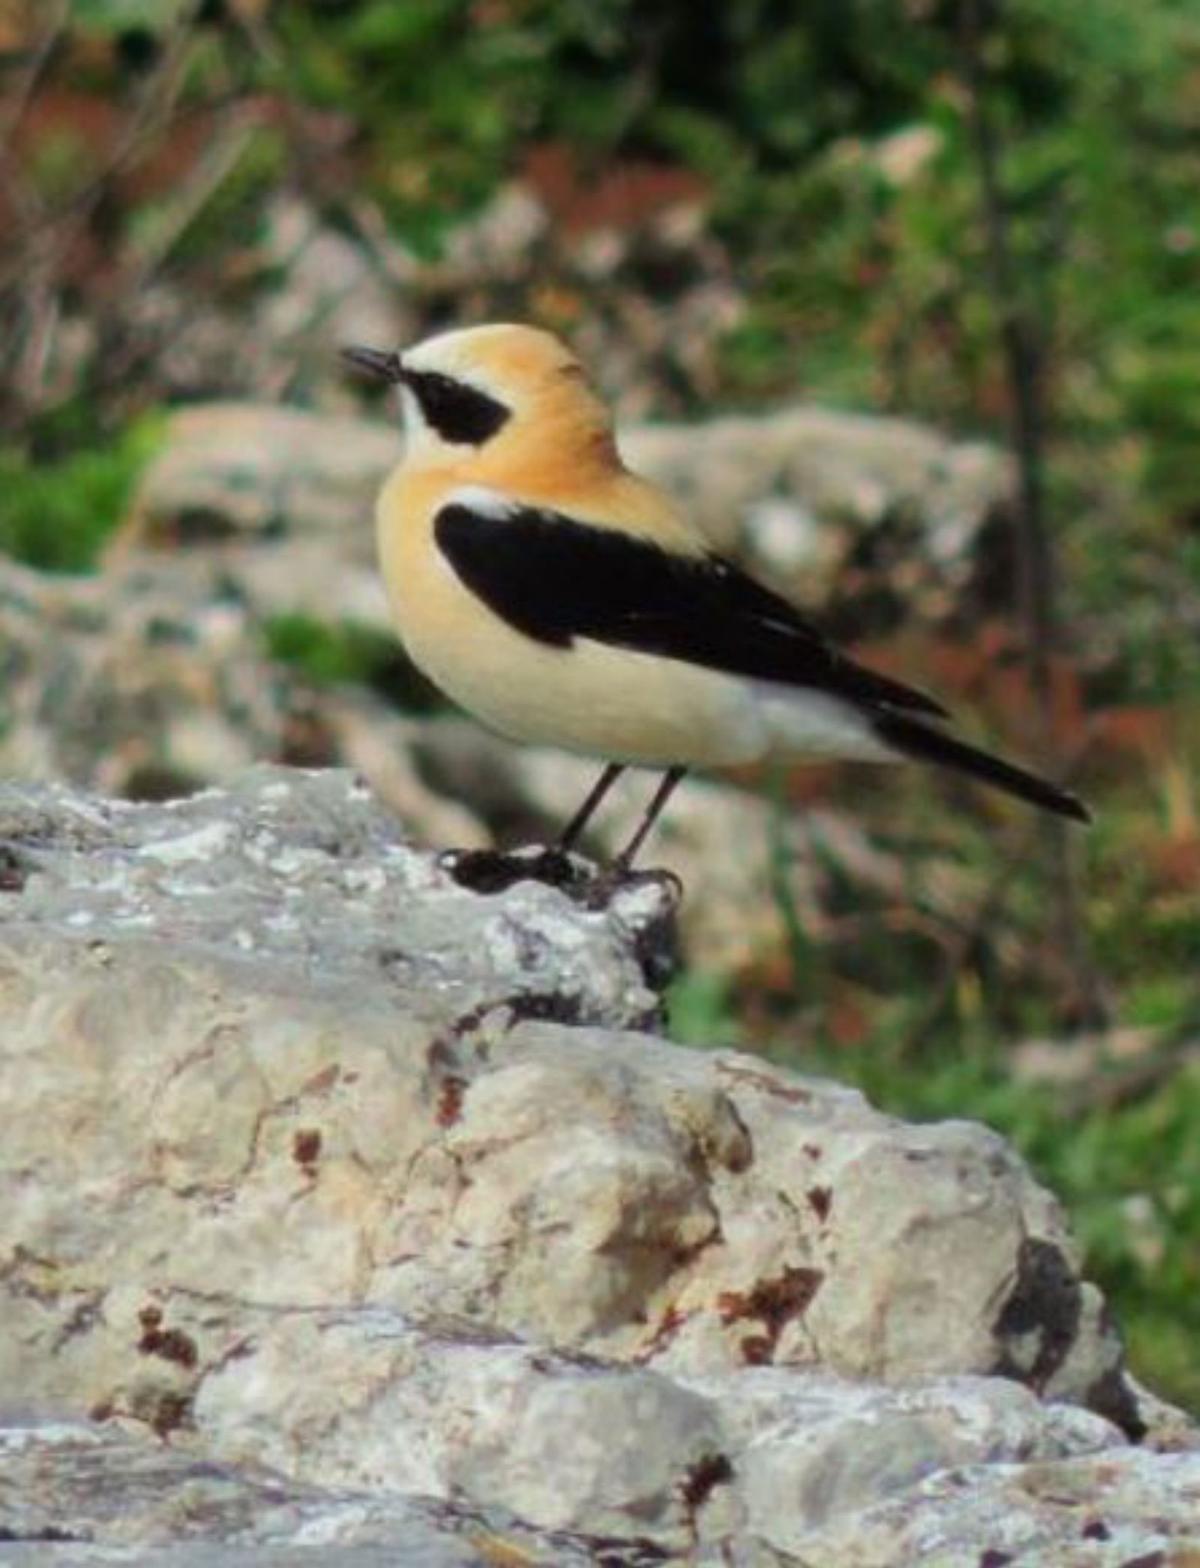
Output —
(459, 413)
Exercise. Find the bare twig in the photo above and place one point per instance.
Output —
(218, 162)
(1024, 364)
(1113, 1088)
(16, 105)
(148, 119)
(388, 262)
(35, 269)
(963, 948)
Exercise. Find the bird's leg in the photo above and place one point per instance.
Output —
(663, 793)
(570, 834)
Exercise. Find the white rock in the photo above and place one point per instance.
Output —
(427, 1221)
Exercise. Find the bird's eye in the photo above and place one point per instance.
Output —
(460, 414)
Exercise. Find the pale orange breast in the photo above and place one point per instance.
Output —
(588, 697)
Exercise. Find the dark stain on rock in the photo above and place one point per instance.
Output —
(740, 1153)
(169, 1344)
(1044, 1310)
(395, 962)
(756, 1350)
(1111, 1397)
(625, 1552)
(169, 1413)
(656, 943)
(450, 1100)
(700, 1480)
(48, 1532)
(789, 1093)
(665, 1331)
(306, 1149)
(14, 872)
(820, 1201)
(1045, 1302)
(322, 1082)
(773, 1303)
(547, 1007)
(1096, 1530)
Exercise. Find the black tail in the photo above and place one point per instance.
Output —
(926, 743)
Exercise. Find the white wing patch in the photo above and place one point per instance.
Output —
(478, 498)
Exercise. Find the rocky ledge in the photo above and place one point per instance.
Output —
(347, 1205)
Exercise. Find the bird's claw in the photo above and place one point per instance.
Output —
(495, 870)
(490, 871)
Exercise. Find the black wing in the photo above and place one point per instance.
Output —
(555, 579)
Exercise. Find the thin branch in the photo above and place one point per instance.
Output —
(17, 105)
(149, 118)
(1028, 422)
(1024, 363)
(220, 159)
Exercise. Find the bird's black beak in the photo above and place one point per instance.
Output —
(386, 366)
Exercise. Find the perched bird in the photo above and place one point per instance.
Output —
(566, 602)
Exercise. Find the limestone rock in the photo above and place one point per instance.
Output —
(1108, 1510)
(318, 1160)
(154, 680)
(81, 1493)
(725, 842)
(800, 494)
(294, 873)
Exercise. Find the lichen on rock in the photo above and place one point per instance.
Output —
(318, 1160)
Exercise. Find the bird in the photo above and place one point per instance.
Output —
(565, 601)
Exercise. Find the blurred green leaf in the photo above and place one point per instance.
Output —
(58, 516)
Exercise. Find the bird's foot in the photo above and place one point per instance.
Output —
(496, 870)
(621, 879)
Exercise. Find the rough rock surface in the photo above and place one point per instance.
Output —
(371, 1197)
(155, 680)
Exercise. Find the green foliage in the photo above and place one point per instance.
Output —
(700, 1010)
(233, 210)
(115, 16)
(58, 515)
(330, 655)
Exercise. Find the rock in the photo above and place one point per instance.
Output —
(317, 1160)
(154, 680)
(1126, 1510)
(806, 496)
(140, 677)
(731, 846)
(305, 872)
(250, 470)
(449, 1414)
(802, 490)
(329, 294)
(65, 1485)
